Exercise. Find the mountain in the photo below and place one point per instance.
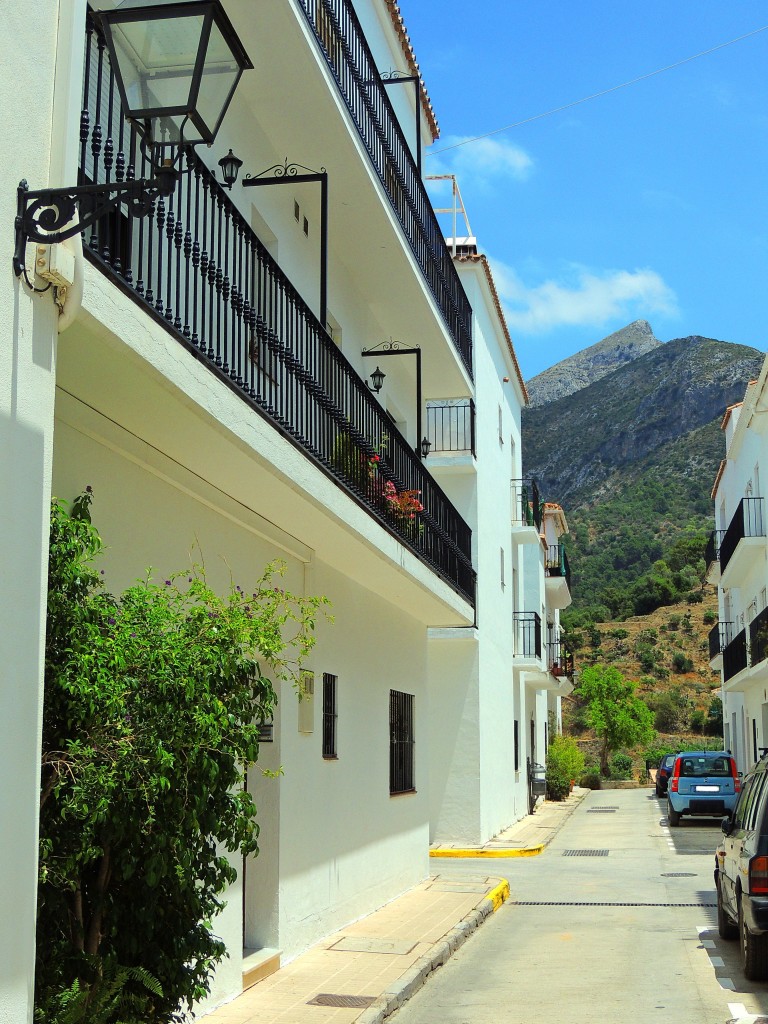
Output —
(632, 458)
(591, 364)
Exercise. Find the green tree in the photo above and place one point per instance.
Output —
(152, 707)
(714, 725)
(619, 718)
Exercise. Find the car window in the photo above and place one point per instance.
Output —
(744, 803)
(696, 767)
(753, 811)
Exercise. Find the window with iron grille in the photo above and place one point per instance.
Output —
(401, 742)
(517, 746)
(329, 716)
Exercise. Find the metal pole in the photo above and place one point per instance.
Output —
(324, 250)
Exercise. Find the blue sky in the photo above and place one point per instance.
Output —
(650, 202)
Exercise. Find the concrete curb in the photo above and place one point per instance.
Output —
(400, 991)
(507, 851)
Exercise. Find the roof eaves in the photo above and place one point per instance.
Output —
(483, 260)
(410, 58)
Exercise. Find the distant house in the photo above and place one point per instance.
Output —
(211, 373)
(738, 643)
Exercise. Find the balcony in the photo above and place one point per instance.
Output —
(735, 656)
(557, 572)
(351, 63)
(742, 540)
(526, 511)
(560, 660)
(196, 266)
(719, 637)
(712, 556)
(451, 427)
(527, 635)
(758, 638)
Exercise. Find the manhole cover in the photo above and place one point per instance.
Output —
(678, 874)
(585, 853)
(328, 999)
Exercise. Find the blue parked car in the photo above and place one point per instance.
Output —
(703, 782)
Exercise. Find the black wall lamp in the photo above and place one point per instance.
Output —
(230, 165)
(176, 67)
(377, 380)
(394, 348)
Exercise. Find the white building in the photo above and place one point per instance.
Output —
(196, 388)
(738, 564)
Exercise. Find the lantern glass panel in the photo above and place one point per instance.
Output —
(220, 76)
(157, 62)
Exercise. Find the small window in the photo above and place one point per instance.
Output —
(296, 210)
(517, 745)
(501, 559)
(401, 742)
(329, 716)
(306, 227)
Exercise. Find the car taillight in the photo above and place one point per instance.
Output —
(758, 875)
(736, 779)
(675, 775)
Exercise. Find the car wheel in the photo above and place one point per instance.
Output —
(754, 951)
(659, 792)
(673, 816)
(726, 929)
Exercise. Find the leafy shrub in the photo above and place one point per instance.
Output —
(681, 663)
(619, 634)
(715, 717)
(672, 711)
(698, 721)
(709, 618)
(621, 766)
(565, 762)
(590, 780)
(694, 597)
(673, 623)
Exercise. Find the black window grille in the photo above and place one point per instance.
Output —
(401, 742)
(517, 746)
(329, 716)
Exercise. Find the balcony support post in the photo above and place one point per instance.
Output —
(396, 78)
(392, 348)
(298, 174)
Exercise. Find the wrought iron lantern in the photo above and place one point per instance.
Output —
(377, 380)
(426, 444)
(230, 165)
(176, 66)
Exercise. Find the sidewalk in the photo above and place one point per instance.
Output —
(526, 838)
(370, 968)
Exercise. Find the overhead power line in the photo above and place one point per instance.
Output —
(603, 92)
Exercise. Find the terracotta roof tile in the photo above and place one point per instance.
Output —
(491, 284)
(397, 20)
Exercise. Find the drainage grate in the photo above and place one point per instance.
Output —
(602, 810)
(327, 999)
(678, 874)
(588, 903)
(585, 853)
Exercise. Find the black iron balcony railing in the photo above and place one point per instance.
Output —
(451, 428)
(341, 37)
(527, 628)
(748, 521)
(556, 563)
(198, 268)
(758, 638)
(719, 637)
(735, 655)
(559, 658)
(526, 504)
(712, 550)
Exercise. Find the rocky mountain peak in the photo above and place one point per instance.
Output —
(591, 364)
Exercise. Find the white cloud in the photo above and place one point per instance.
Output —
(481, 162)
(582, 297)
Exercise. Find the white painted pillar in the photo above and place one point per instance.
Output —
(28, 325)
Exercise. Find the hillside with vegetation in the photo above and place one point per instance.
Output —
(632, 458)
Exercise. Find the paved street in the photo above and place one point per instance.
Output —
(626, 932)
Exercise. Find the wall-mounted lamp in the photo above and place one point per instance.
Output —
(377, 380)
(165, 57)
(230, 165)
(426, 444)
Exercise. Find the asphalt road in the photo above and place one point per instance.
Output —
(615, 921)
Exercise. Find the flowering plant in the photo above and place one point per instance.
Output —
(404, 504)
